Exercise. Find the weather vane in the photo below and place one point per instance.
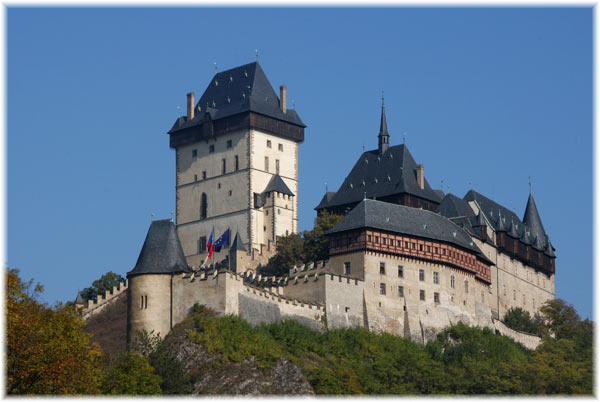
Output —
(529, 184)
(216, 67)
(256, 50)
(179, 111)
(404, 138)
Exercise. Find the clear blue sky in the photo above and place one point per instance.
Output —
(488, 96)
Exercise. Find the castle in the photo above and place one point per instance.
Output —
(405, 258)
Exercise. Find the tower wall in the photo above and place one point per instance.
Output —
(149, 304)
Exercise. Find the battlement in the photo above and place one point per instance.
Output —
(95, 306)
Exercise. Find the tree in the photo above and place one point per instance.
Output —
(520, 320)
(561, 318)
(316, 242)
(132, 375)
(290, 251)
(47, 351)
(99, 286)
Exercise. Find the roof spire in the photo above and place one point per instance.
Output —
(384, 136)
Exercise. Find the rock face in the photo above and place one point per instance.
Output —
(212, 377)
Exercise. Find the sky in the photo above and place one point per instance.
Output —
(484, 98)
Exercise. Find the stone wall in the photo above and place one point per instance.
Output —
(527, 340)
(94, 307)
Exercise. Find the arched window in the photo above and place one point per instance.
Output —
(203, 206)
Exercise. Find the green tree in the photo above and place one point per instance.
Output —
(131, 375)
(520, 320)
(99, 286)
(47, 351)
(173, 379)
(290, 251)
(316, 242)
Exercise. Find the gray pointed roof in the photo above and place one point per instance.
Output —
(79, 299)
(525, 237)
(532, 219)
(549, 250)
(512, 231)
(394, 172)
(480, 220)
(500, 226)
(406, 220)
(383, 130)
(452, 207)
(237, 244)
(161, 252)
(325, 200)
(277, 184)
(241, 89)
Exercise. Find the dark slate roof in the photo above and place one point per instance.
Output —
(452, 207)
(394, 172)
(406, 220)
(325, 200)
(439, 192)
(237, 244)
(79, 299)
(491, 209)
(532, 219)
(162, 252)
(241, 89)
(277, 184)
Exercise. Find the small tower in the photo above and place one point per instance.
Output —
(238, 255)
(384, 136)
(150, 293)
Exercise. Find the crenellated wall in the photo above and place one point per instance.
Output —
(94, 307)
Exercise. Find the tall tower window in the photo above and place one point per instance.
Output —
(266, 163)
(203, 206)
(228, 143)
(237, 163)
(224, 165)
(268, 143)
(281, 147)
(277, 166)
(202, 244)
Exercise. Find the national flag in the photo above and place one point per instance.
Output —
(209, 244)
(222, 241)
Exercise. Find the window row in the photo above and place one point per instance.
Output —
(383, 290)
(236, 167)
(211, 149)
(267, 165)
(279, 146)
(413, 246)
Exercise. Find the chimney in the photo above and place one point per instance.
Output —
(421, 176)
(190, 106)
(282, 100)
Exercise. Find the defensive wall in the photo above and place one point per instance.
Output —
(95, 306)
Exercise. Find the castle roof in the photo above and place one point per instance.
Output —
(237, 244)
(241, 89)
(79, 299)
(277, 184)
(325, 200)
(532, 219)
(406, 220)
(161, 252)
(394, 172)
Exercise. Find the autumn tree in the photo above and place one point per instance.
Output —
(47, 351)
(131, 375)
(99, 286)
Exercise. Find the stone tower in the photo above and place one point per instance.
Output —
(236, 164)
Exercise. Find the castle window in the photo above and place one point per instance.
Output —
(264, 228)
(267, 212)
(429, 249)
(382, 289)
(382, 268)
(533, 303)
(268, 143)
(514, 295)
(202, 244)
(204, 175)
(414, 246)
(421, 275)
(435, 250)
(219, 185)
(482, 297)
(224, 165)
(452, 281)
(524, 302)
(266, 163)
(281, 147)
(277, 166)
(376, 239)
(143, 302)
(347, 268)
(436, 297)
(230, 192)
(444, 251)
(195, 177)
(278, 211)
(211, 149)
(504, 289)
(420, 247)
(422, 295)
(228, 143)
(466, 286)
(369, 238)
(400, 291)
(400, 271)
(237, 163)
(194, 153)
(384, 240)
(203, 206)
(436, 278)
(391, 242)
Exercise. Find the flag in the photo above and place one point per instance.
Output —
(209, 244)
(222, 241)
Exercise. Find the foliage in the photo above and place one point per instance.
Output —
(47, 351)
(294, 249)
(132, 375)
(144, 343)
(173, 379)
(100, 286)
(520, 320)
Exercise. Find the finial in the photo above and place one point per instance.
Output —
(442, 185)
(256, 50)
(294, 103)
(325, 187)
(365, 195)
(404, 138)
(153, 216)
(382, 99)
(216, 67)
(179, 111)
(363, 147)
(529, 184)
(171, 216)
(448, 188)
(470, 186)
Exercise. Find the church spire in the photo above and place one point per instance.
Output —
(384, 136)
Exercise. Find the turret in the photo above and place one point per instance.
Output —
(384, 136)
(238, 255)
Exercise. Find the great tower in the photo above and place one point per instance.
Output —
(237, 164)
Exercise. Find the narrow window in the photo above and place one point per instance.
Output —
(281, 147)
(466, 286)
(514, 295)
(202, 244)
(376, 239)
(436, 278)
(224, 170)
(204, 175)
(145, 301)
(414, 246)
(237, 163)
(533, 303)
(141, 302)
(435, 250)
(436, 297)
(422, 294)
(421, 275)
(382, 289)
(228, 143)
(194, 153)
(452, 281)
(391, 242)
(369, 238)
(400, 271)
(504, 289)
(268, 143)
(400, 291)
(420, 247)
(405, 244)
(203, 206)
(230, 192)
(347, 268)
(266, 163)
(211, 149)
(382, 268)
(195, 177)
(524, 302)
(277, 166)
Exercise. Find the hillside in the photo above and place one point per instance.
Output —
(109, 326)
